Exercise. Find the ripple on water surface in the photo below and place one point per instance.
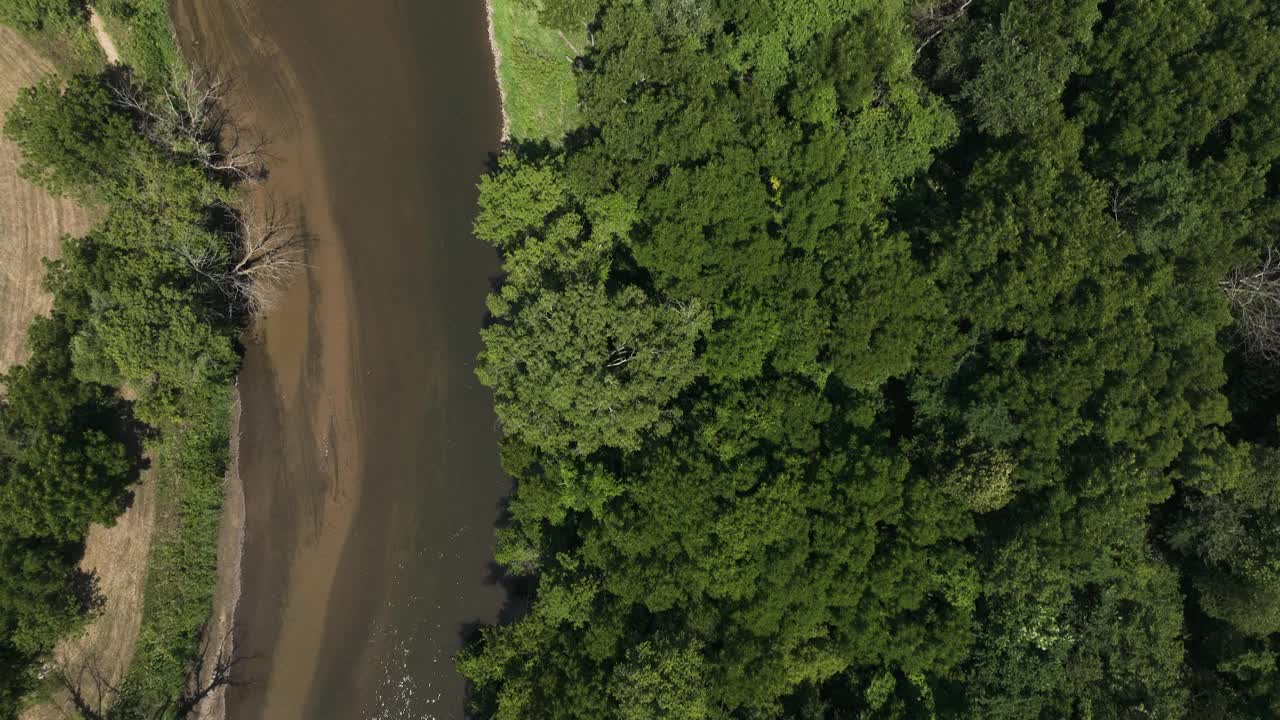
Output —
(406, 683)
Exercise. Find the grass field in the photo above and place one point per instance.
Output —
(66, 47)
(536, 71)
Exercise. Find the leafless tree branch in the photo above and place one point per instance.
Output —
(255, 263)
(1254, 294)
(933, 19)
(89, 697)
(189, 117)
(202, 683)
(92, 694)
(272, 251)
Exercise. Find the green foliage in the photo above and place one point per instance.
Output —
(143, 32)
(191, 458)
(74, 140)
(1024, 57)
(584, 369)
(658, 679)
(982, 479)
(38, 15)
(62, 467)
(1199, 65)
(564, 15)
(58, 30)
(1231, 530)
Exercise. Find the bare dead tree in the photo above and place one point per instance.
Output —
(1118, 201)
(271, 251)
(94, 697)
(202, 681)
(620, 355)
(187, 107)
(1254, 294)
(254, 264)
(933, 18)
(188, 116)
(89, 690)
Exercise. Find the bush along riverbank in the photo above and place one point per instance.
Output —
(862, 359)
(148, 305)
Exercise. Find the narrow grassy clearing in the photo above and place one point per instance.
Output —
(537, 72)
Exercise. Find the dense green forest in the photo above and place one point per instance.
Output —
(893, 359)
(147, 306)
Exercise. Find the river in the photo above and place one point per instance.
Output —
(368, 449)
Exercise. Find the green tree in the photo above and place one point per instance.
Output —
(587, 368)
(660, 679)
(1231, 529)
(59, 468)
(1024, 54)
(73, 138)
(959, 383)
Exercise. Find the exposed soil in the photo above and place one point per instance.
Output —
(104, 39)
(496, 50)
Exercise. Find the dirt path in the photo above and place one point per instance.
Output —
(100, 32)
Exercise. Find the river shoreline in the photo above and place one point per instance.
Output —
(220, 639)
(496, 51)
(219, 636)
(292, 471)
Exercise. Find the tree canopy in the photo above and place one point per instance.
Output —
(951, 416)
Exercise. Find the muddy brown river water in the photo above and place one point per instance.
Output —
(368, 451)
